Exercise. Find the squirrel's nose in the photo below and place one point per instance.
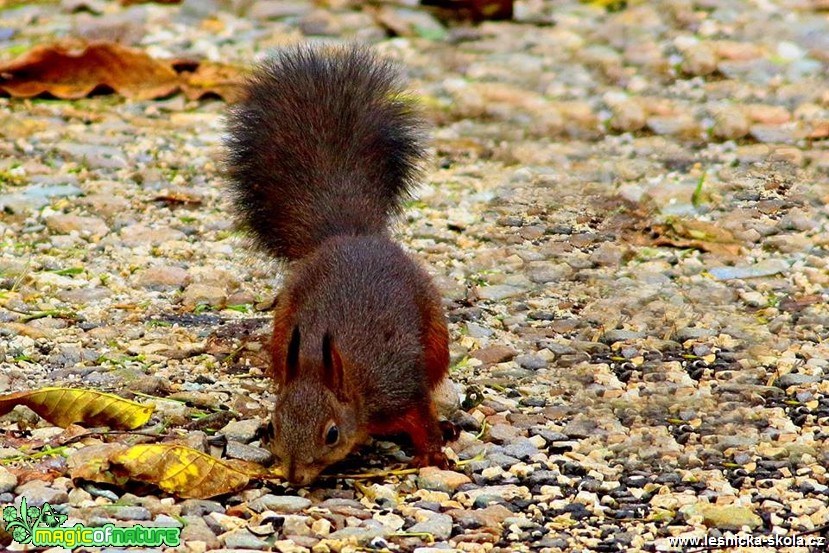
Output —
(295, 477)
(300, 478)
(299, 475)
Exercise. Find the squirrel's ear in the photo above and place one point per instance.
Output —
(333, 367)
(292, 361)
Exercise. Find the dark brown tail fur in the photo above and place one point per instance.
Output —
(322, 145)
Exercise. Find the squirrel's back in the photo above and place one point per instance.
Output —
(322, 144)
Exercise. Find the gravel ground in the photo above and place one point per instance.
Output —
(626, 211)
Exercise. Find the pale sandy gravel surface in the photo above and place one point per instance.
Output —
(625, 382)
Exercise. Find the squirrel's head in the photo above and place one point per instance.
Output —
(315, 420)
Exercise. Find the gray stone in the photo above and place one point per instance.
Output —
(498, 292)
(521, 448)
(692, 333)
(83, 296)
(35, 197)
(447, 398)
(437, 524)
(38, 492)
(531, 362)
(320, 23)
(542, 272)
(296, 525)
(432, 478)
(590, 347)
(580, 427)
(501, 459)
(85, 226)
(202, 294)
(244, 452)
(243, 539)
(200, 507)
(478, 331)
(795, 379)
(730, 123)
(489, 517)
(700, 59)
(166, 521)
(548, 435)
(360, 534)
(162, 278)
(612, 336)
(607, 255)
(546, 477)
(512, 373)
(94, 156)
(494, 354)
(142, 235)
(8, 481)
(778, 134)
(280, 503)
(503, 433)
(131, 512)
(761, 269)
(244, 431)
(277, 9)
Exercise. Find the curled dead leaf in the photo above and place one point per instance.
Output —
(699, 235)
(183, 471)
(74, 69)
(211, 78)
(65, 406)
(71, 70)
(92, 463)
(473, 10)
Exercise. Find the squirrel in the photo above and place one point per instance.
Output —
(321, 152)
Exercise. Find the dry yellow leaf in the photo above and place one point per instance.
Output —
(65, 406)
(185, 472)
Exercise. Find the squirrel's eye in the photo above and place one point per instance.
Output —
(332, 435)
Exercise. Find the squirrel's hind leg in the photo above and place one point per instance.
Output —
(421, 424)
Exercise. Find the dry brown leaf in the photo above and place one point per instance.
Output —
(185, 472)
(92, 463)
(174, 197)
(220, 79)
(793, 304)
(65, 406)
(701, 230)
(713, 247)
(71, 70)
(474, 10)
(699, 235)
(74, 69)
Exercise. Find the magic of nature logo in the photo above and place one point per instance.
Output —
(41, 527)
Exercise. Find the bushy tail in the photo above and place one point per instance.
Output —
(323, 144)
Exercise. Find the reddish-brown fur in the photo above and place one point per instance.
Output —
(283, 317)
(321, 151)
(435, 341)
(420, 423)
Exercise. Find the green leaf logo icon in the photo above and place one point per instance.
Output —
(19, 524)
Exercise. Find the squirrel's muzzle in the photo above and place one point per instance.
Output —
(301, 475)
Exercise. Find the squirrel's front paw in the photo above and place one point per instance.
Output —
(431, 459)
